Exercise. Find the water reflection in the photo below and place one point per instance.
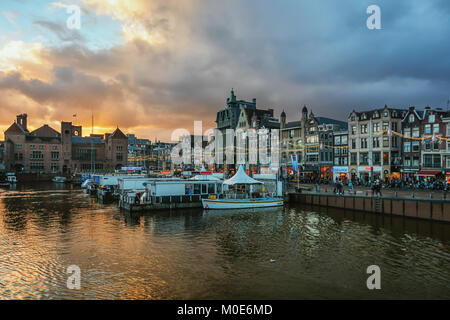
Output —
(193, 254)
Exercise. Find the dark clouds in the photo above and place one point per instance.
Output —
(285, 54)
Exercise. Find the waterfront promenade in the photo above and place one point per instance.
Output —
(366, 191)
(433, 206)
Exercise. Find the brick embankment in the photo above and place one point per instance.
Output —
(407, 206)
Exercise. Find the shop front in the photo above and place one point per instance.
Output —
(326, 173)
(364, 173)
(340, 173)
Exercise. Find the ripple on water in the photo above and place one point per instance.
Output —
(211, 255)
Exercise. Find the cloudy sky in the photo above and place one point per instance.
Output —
(150, 66)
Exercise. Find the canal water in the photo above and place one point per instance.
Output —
(287, 253)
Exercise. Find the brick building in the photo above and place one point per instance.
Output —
(46, 150)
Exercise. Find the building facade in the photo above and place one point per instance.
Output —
(242, 115)
(46, 150)
(371, 146)
(311, 140)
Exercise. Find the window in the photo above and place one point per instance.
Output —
(18, 146)
(407, 147)
(119, 148)
(448, 130)
(415, 132)
(353, 143)
(432, 160)
(55, 155)
(353, 157)
(427, 129)
(54, 167)
(354, 129)
(344, 140)
(415, 161)
(385, 141)
(386, 158)
(119, 156)
(36, 166)
(364, 128)
(448, 163)
(363, 158)
(416, 146)
(385, 125)
(385, 114)
(436, 145)
(54, 148)
(291, 133)
(376, 158)
(376, 127)
(407, 132)
(18, 156)
(431, 118)
(364, 143)
(436, 128)
(41, 147)
(36, 155)
(337, 140)
(427, 145)
(394, 142)
(32, 146)
(407, 162)
(411, 118)
(376, 142)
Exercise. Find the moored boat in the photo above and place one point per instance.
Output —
(242, 182)
(242, 203)
(59, 179)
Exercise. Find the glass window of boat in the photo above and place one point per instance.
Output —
(196, 188)
(211, 188)
(204, 188)
(189, 189)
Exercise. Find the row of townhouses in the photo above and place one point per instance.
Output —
(385, 143)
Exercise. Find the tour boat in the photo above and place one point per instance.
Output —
(241, 178)
(242, 203)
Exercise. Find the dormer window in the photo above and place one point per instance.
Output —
(385, 114)
(411, 118)
(431, 118)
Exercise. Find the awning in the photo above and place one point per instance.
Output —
(241, 178)
(428, 173)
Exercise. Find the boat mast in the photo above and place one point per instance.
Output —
(92, 143)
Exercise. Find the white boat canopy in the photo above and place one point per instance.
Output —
(241, 178)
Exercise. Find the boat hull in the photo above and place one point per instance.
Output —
(241, 203)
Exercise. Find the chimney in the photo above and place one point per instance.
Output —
(22, 121)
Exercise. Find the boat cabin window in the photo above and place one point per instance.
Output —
(189, 189)
(204, 188)
(211, 188)
(196, 189)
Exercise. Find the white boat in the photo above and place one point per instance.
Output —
(242, 179)
(59, 179)
(242, 203)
